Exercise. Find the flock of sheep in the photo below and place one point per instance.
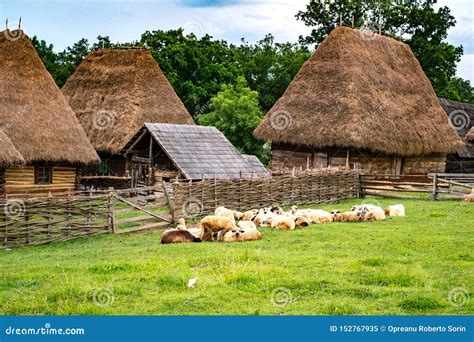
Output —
(228, 225)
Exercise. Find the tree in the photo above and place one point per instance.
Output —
(459, 90)
(195, 67)
(236, 113)
(269, 67)
(415, 22)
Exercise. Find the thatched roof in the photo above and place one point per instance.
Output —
(8, 153)
(361, 91)
(470, 136)
(202, 152)
(33, 112)
(115, 91)
(461, 115)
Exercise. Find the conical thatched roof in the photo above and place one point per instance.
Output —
(470, 136)
(8, 153)
(362, 91)
(115, 91)
(33, 112)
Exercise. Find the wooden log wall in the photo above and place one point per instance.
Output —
(195, 199)
(35, 221)
(2, 181)
(21, 180)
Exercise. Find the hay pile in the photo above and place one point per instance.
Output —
(361, 91)
(114, 92)
(34, 114)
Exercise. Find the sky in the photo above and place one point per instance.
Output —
(64, 22)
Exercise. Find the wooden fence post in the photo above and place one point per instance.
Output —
(111, 201)
(435, 187)
(168, 198)
(27, 218)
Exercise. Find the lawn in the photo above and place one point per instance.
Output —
(403, 265)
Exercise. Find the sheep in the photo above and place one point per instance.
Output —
(301, 221)
(378, 213)
(348, 216)
(241, 235)
(395, 210)
(224, 212)
(315, 215)
(181, 226)
(238, 215)
(246, 225)
(178, 236)
(277, 210)
(282, 222)
(261, 220)
(249, 215)
(213, 223)
(469, 198)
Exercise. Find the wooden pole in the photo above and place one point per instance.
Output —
(111, 212)
(168, 198)
(435, 187)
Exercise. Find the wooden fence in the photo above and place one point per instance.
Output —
(435, 186)
(39, 220)
(195, 199)
(42, 220)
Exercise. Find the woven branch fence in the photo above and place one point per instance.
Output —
(41, 220)
(195, 199)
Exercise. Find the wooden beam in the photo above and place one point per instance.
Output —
(136, 142)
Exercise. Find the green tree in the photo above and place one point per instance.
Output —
(195, 67)
(459, 89)
(415, 22)
(269, 67)
(236, 113)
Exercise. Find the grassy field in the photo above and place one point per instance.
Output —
(403, 265)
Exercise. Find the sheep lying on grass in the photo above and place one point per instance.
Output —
(178, 236)
(240, 235)
(470, 197)
(395, 210)
(214, 224)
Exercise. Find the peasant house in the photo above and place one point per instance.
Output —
(42, 143)
(360, 101)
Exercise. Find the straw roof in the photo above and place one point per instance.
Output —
(362, 91)
(202, 152)
(470, 136)
(8, 153)
(115, 91)
(33, 112)
(461, 115)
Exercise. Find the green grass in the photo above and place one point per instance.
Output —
(403, 265)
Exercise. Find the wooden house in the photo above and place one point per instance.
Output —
(42, 142)
(164, 151)
(113, 93)
(360, 101)
(461, 116)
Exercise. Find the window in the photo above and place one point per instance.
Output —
(43, 174)
(104, 166)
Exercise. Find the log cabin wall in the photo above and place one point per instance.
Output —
(287, 157)
(2, 181)
(424, 164)
(21, 180)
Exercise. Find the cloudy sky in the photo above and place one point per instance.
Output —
(63, 22)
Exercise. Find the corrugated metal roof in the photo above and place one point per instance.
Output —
(204, 152)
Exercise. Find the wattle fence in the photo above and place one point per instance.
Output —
(195, 199)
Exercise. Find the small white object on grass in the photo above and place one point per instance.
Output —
(192, 282)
